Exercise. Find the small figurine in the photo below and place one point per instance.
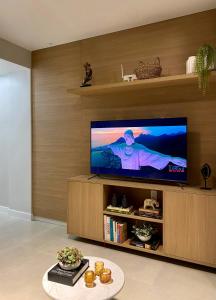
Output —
(114, 200)
(206, 173)
(88, 75)
(124, 201)
(151, 204)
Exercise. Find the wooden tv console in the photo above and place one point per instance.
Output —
(188, 224)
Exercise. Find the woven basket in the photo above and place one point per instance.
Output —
(148, 70)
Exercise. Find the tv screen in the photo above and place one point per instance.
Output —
(153, 149)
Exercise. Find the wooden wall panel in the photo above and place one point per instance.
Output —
(61, 120)
(56, 127)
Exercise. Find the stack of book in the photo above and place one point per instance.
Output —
(114, 231)
(67, 277)
(120, 210)
(151, 213)
(152, 244)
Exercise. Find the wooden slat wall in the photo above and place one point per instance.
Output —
(61, 120)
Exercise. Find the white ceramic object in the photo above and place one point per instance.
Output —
(70, 267)
(101, 291)
(191, 65)
(144, 238)
(130, 77)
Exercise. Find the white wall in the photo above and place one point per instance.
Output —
(15, 140)
(4, 144)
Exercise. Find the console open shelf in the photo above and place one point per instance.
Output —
(142, 85)
(132, 216)
(127, 244)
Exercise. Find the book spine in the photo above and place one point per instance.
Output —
(111, 230)
(118, 233)
(121, 233)
(114, 226)
(108, 228)
(105, 227)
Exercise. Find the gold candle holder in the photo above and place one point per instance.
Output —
(99, 266)
(105, 276)
(89, 278)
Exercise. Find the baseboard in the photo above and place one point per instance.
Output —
(4, 209)
(29, 216)
(16, 213)
(51, 221)
(20, 214)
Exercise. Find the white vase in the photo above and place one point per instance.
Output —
(68, 267)
(144, 238)
(191, 65)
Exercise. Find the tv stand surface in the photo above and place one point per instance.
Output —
(136, 179)
(92, 176)
(116, 181)
(188, 220)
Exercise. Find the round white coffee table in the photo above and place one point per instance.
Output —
(79, 291)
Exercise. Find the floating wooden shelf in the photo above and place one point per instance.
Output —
(132, 216)
(126, 244)
(140, 85)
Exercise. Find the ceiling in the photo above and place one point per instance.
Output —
(35, 24)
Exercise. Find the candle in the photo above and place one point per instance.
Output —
(105, 276)
(99, 266)
(89, 279)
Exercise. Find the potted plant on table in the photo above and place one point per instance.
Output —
(143, 232)
(69, 258)
(205, 63)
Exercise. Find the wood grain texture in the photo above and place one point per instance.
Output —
(142, 189)
(56, 127)
(131, 216)
(140, 86)
(189, 226)
(61, 120)
(85, 210)
(188, 217)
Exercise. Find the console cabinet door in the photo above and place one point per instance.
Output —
(85, 210)
(189, 226)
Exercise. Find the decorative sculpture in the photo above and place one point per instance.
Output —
(206, 173)
(114, 200)
(151, 204)
(88, 75)
(124, 203)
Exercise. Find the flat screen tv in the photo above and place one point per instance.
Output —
(149, 149)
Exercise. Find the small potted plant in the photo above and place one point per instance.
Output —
(205, 63)
(143, 232)
(69, 258)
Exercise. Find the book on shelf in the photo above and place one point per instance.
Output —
(152, 244)
(148, 214)
(114, 230)
(67, 277)
(107, 228)
(150, 211)
(120, 210)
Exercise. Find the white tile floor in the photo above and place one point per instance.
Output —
(27, 249)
